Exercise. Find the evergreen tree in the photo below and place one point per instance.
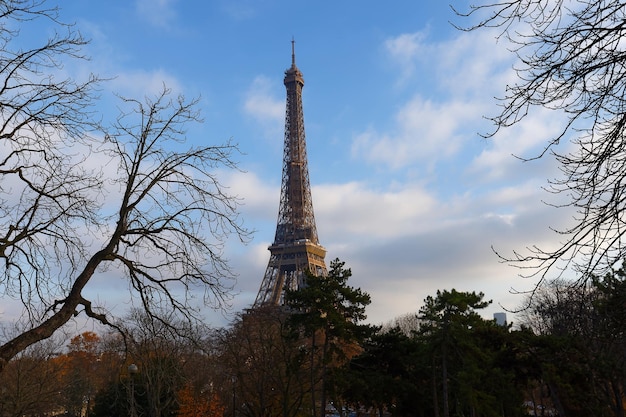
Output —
(328, 312)
(462, 362)
(388, 375)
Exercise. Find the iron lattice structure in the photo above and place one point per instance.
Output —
(296, 246)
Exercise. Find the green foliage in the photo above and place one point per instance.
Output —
(451, 309)
(327, 302)
(390, 374)
(456, 363)
(464, 351)
(328, 311)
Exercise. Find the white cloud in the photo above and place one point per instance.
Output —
(260, 199)
(448, 246)
(349, 212)
(142, 83)
(500, 158)
(263, 106)
(160, 13)
(428, 130)
(471, 65)
(424, 131)
(462, 65)
(404, 50)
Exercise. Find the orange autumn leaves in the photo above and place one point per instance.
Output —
(198, 404)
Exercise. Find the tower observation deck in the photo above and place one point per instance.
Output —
(296, 247)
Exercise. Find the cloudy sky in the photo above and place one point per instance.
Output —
(405, 190)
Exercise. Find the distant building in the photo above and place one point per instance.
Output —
(500, 318)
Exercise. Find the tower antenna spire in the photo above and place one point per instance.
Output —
(293, 52)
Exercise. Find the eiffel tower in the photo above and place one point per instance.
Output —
(296, 247)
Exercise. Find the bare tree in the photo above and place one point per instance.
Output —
(408, 324)
(160, 355)
(30, 384)
(264, 367)
(160, 219)
(571, 58)
(559, 308)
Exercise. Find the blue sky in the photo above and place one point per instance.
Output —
(405, 191)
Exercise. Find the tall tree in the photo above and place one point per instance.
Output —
(571, 59)
(263, 365)
(160, 219)
(84, 371)
(160, 354)
(388, 375)
(329, 312)
(610, 358)
(447, 323)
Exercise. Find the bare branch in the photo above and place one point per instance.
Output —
(571, 58)
(173, 215)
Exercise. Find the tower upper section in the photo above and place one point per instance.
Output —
(296, 220)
